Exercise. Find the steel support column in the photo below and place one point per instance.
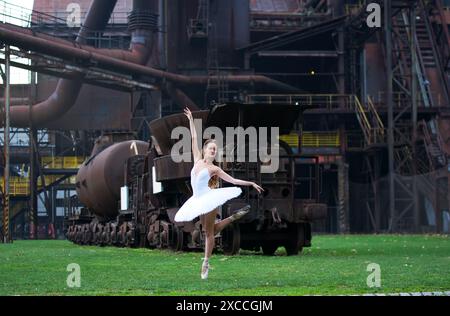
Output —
(389, 104)
(33, 205)
(343, 194)
(6, 216)
(413, 47)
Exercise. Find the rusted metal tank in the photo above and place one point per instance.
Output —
(100, 177)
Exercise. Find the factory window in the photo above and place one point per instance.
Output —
(20, 137)
(60, 194)
(41, 206)
(60, 211)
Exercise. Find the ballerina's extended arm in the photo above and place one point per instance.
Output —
(226, 177)
(195, 150)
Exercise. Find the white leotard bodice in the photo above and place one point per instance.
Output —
(199, 182)
(204, 199)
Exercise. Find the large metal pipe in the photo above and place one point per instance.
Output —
(138, 52)
(44, 46)
(66, 92)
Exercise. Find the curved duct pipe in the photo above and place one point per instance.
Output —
(66, 92)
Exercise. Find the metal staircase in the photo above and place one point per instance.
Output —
(415, 68)
(433, 145)
(438, 41)
(370, 121)
(441, 31)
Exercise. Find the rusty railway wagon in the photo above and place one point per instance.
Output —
(131, 190)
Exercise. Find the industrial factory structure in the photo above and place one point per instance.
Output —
(371, 76)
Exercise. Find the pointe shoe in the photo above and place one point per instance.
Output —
(241, 213)
(205, 269)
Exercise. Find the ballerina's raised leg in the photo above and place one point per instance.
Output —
(212, 229)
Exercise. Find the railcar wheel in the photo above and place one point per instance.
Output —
(69, 233)
(78, 235)
(295, 241)
(107, 233)
(231, 240)
(176, 238)
(122, 236)
(103, 236)
(113, 234)
(94, 234)
(130, 236)
(269, 248)
(99, 234)
(86, 235)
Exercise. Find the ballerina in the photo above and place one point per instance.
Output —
(204, 202)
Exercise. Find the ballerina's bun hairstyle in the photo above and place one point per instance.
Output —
(214, 181)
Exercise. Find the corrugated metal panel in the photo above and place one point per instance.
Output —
(275, 6)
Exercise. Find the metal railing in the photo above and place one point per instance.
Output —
(20, 186)
(400, 97)
(291, 139)
(360, 112)
(66, 162)
(320, 101)
(370, 122)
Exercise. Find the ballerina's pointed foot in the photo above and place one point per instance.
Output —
(205, 270)
(241, 213)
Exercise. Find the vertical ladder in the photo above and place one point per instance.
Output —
(216, 78)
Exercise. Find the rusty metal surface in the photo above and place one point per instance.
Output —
(180, 54)
(167, 169)
(232, 30)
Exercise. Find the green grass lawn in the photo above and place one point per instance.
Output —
(333, 265)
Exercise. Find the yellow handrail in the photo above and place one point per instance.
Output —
(362, 118)
(320, 139)
(375, 113)
(65, 162)
(20, 186)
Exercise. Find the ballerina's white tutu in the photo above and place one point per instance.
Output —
(204, 199)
